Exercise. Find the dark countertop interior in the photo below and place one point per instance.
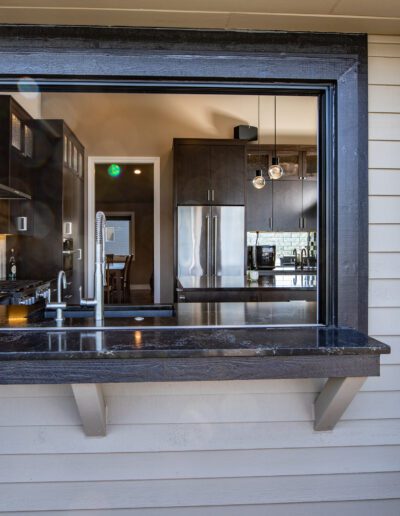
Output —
(184, 315)
(274, 281)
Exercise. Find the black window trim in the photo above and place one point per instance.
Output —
(333, 66)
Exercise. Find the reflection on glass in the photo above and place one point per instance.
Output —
(138, 339)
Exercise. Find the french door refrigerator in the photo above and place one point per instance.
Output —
(210, 241)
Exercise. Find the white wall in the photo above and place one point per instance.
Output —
(230, 448)
(30, 101)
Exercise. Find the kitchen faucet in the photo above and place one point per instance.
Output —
(99, 271)
(302, 256)
(59, 305)
(295, 257)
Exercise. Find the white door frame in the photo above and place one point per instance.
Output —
(90, 215)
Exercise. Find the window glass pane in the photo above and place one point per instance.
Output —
(118, 237)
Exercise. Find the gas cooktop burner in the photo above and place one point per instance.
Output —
(23, 292)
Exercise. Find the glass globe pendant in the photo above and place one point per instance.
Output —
(275, 171)
(259, 180)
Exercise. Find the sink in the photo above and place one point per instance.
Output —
(112, 311)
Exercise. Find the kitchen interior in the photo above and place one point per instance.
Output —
(238, 208)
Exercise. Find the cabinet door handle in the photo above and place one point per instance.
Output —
(215, 245)
(304, 222)
(300, 221)
(208, 239)
(212, 195)
(270, 222)
(208, 195)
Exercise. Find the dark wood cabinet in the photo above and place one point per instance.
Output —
(58, 211)
(291, 162)
(192, 174)
(310, 203)
(293, 197)
(259, 207)
(287, 205)
(310, 164)
(209, 172)
(227, 164)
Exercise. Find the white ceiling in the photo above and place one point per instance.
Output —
(372, 16)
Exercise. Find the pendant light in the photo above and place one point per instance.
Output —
(275, 171)
(259, 180)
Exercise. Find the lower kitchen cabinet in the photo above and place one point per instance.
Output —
(246, 296)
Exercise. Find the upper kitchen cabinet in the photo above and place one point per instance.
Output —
(20, 165)
(192, 173)
(17, 156)
(209, 172)
(287, 205)
(58, 200)
(227, 174)
(310, 164)
(258, 202)
(291, 162)
(310, 202)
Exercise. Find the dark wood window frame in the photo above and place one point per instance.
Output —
(332, 66)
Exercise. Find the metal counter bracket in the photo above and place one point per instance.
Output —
(91, 407)
(333, 400)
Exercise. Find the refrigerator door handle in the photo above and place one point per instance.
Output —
(215, 218)
(208, 243)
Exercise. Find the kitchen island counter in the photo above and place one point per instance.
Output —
(268, 288)
(290, 280)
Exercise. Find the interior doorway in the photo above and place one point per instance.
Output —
(127, 189)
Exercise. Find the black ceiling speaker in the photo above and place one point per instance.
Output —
(245, 132)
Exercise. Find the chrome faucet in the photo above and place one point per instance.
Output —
(59, 305)
(99, 271)
(295, 257)
(302, 256)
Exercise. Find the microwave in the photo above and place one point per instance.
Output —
(261, 257)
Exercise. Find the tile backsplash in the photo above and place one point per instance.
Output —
(285, 242)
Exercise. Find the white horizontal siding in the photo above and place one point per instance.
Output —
(133, 410)
(384, 206)
(193, 492)
(231, 448)
(86, 467)
(364, 507)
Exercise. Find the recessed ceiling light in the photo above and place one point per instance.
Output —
(137, 171)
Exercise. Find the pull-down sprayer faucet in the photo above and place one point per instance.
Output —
(100, 268)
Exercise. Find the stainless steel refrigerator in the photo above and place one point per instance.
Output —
(211, 241)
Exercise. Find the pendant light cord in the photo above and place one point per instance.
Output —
(259, 136)
(275, 124)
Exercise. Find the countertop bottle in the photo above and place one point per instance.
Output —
(12, 267)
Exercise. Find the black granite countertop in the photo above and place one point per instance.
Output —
(185, 343)
(200, 341)
(288, 280)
